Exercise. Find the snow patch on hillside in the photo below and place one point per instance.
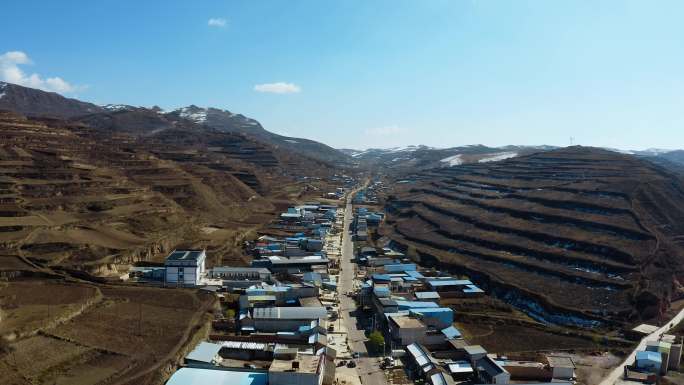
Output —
(197, 116)
(454, 160)
(116, 107)
(2, 89)
(291, 141)
(498, 157)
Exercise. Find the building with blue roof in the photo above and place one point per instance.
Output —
(649, 361)
(204, 354)
(381, 277)
(448, 284)
(406, 305)
(451, 333)
(400, 267)
(471, 290)
(439, 317)
(415, 274)
(196, 376)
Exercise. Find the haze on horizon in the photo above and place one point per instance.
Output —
(360, 74)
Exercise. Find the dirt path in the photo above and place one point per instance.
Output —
(616, 374)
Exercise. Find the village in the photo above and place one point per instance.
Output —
(322, 303)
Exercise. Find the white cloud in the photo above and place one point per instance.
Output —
(217, 22)
(278, 88)
(11, 72)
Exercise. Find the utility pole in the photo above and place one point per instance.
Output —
(140, 319)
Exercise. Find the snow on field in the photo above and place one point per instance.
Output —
(453, 160)
(498, 157)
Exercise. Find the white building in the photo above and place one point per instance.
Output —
(185, 267)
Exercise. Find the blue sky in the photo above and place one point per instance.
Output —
(361, 73)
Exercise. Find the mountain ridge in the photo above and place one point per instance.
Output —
(37, 103)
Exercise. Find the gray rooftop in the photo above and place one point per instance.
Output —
(295, 313)
(185, 255)
(229, 269)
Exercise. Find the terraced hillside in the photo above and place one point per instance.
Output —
(76, 196)
(577, 236)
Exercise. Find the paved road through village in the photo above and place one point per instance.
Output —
(615, 376)
(367, 367)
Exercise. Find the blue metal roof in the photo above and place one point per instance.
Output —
(425, 310)
(381, 277)
(451, 332)
(450, 282)
(400, 267)
(472, 289)
(204, 352)
(416, 304)
(649, 356)
(415, 274)
(192, 376)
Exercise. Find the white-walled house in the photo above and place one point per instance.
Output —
(185, 267)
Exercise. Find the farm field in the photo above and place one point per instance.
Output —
(131, 332)
(530, 229)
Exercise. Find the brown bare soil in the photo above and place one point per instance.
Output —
(131, 332)
(579, 236)
(100, 197)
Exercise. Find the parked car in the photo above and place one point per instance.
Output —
(355, 355)
(351, 364)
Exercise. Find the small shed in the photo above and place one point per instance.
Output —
(562, 367)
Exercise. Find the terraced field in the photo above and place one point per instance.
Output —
(576, 236)
(77, 196)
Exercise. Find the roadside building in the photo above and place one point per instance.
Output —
(491, 372)
(185, 267)
(427, 296)
(420, 362)
(562, 367)
(406, 330)
(205, 354)
(649, 361)
(240, 276)
(300, 370)
(441, 378)
(474, 352)
(280, 319)
(438, 317)
(461, 370)
(194, 376)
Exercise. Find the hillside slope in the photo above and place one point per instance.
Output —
(400, 160)
(29, 101)
(141, 120)
(227, 121)
(85, 197)
(606, 227)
